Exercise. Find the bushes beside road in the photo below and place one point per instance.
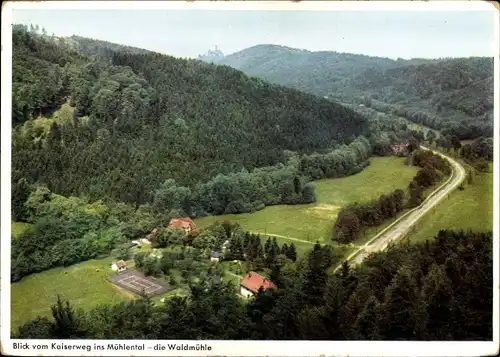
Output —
(353, 219)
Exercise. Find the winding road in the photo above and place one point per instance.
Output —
(403, 226)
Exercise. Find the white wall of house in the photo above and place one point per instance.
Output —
(114, 267)
(245, 292)
(213, 259)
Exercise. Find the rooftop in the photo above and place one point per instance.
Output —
(254, 281)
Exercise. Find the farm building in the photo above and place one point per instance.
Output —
(400, 149)
(215, 256)
(252, 282)
(186, 224)
(119, 266)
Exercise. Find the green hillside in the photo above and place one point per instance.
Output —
(314, 72)
(141, 118)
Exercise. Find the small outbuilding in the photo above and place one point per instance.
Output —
(215, 256)
(119, 266)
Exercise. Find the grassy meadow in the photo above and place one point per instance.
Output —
(471, 208)
(84, 284)
(306, 224)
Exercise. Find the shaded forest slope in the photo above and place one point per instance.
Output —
(142, 118)
(453, 95)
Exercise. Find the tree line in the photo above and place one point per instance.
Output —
(437, 290)
(353, 219)
(478, 153)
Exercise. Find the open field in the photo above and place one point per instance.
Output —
(81, 283)
(18, 228)
(471, 208)
(313, 222)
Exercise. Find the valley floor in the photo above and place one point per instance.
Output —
(86, 286)
(306, 224)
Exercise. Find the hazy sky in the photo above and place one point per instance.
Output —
(187, 33)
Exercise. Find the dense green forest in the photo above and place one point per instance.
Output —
(440, 290)
(315, 72)
(451, 95)
(141, 119)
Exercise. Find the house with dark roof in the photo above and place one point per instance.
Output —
(216, 279)
(185, 224)
(215, 256)
(252, 282)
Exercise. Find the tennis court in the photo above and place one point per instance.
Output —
(137, 283)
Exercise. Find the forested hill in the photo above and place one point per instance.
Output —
(142, 118)
(452, 95)
(314, 72)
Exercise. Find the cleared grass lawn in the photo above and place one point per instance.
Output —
(471, 208)
(83, 286)
(18, 228)
(313, 222)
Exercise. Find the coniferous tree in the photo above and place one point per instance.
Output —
(67, 322)
(437, 293)
(20, 193)
(366, 325)
(267, 246)
(399, 319)
(292, 252)
(284, 249)
(315, 276)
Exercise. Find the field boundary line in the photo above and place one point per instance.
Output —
(233, 274)
(284, 237)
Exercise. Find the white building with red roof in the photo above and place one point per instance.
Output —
(252, 282)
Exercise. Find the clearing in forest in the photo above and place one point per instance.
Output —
(314, 222)
(84, 284)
